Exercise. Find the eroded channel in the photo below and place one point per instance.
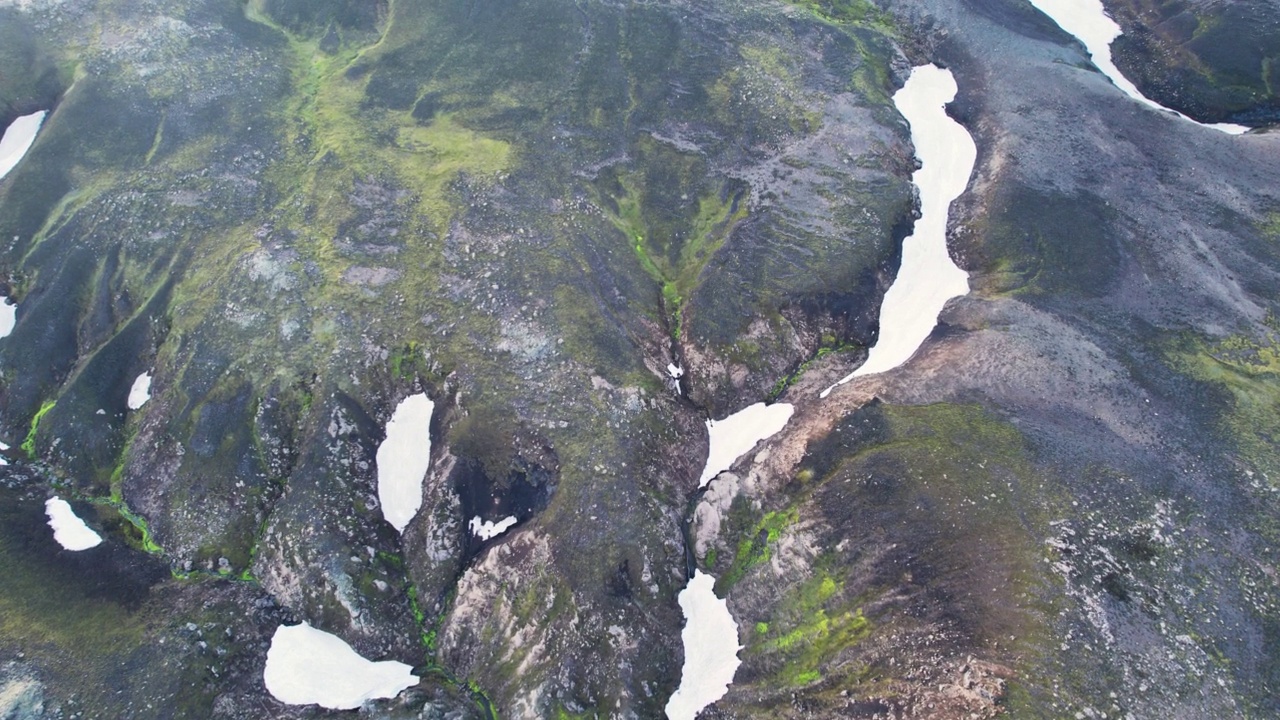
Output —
(926, 280)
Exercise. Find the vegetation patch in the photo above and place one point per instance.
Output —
(755, 547)
(339, 129)
(1248, 368)
(830, 344)
(812, 626)
(849, 12)
(1271, 227)
(674, 218)
(29, 444)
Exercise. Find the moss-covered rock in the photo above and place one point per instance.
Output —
(1214, 61)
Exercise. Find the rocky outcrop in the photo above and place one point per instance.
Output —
(1209, 59)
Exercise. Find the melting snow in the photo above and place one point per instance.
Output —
(927, 278)
(487, 529)
(710, 635)
(675, 371)
(403, 460)
(3, 446)
(68, 529)
(309, 666)
(8, 316)
(710, 638)
(140, 393)
(1089, 22)
(17, 140)
(734, 436)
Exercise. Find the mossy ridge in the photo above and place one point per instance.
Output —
(1244, 422)
(871, 30)
(850, 12)
(755, 548)
(914, 466)
(828, 345)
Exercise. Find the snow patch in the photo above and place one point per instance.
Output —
(487, 529)
(403, 460)
(675, 371)
(17, 140)
(927, 278)
(140, 393)
(8, 316)
(68, 529)
(1089, 22)
(308, 666)
(734, 436)
(3, 446)
(710, 638)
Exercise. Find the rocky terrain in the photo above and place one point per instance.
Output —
(1210, 59)
(296, 214)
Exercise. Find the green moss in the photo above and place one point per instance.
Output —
(29, 444)
(1271, 227)
(407, 361)
(812, 625)
(673, 217)
(849, 12)
(390, 559)
(369, 140)
(709, 560)
(756, 547)
(428, 636)
(939, 485)
(827, 348)
(1248, 369)
(144, 539)
(428, 158)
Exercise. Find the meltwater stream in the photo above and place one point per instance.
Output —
(926, 280)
